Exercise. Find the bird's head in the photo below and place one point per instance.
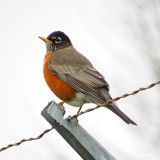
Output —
(56, 40)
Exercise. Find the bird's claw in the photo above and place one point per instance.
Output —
(73, 120)
(60, 105)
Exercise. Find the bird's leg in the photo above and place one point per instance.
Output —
(79, 110)
(60, 105)
(76, 117)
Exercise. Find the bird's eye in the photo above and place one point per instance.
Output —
(58, 40)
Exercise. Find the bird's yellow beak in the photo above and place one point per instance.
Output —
(45, 39)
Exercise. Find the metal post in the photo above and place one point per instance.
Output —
(83, 143)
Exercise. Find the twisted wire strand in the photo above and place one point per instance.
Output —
(26, 140)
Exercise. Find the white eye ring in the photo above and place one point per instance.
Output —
(58, 40)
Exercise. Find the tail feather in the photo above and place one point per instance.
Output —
(119, 113)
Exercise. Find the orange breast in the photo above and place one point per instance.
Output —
(61, 89)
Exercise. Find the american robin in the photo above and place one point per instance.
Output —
(72, 77)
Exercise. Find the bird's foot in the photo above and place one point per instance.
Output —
(60, 105)
(73, 120)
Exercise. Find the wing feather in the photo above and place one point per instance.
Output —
(84, 79)
(78, 72)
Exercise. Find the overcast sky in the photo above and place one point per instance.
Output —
(118, 37)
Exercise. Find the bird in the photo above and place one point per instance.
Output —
(72, 77)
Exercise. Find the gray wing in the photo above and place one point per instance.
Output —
(82, 77)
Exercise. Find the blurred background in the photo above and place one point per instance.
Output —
(121, 39)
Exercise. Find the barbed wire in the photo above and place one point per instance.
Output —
(82, 112)
(26, 140)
